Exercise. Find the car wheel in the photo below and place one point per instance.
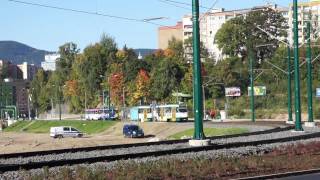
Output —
(80, 135)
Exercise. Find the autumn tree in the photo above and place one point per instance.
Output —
(142, 88)
(116, 81)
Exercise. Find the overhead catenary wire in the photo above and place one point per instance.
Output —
(184, 3)
(91, 13)
(83, 12)
(175, 5)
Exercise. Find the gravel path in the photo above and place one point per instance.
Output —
(141, 149)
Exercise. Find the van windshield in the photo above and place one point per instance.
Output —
(182, 110)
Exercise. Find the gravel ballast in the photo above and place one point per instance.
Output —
(233, 152)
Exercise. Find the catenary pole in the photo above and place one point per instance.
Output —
(309, 67)
(289, 86)
(197, 82)
(253, 116)
(298, 126)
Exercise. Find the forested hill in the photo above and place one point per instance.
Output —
(18, 53)
(144, 52)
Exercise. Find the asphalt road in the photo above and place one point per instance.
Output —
(315, 176)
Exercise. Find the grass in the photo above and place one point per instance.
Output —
(210, 132)
(89, 127)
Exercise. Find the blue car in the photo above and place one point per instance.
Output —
(131, 130)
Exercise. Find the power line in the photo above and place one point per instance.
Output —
(91, 13)
(175, 5)
(185, 4)
(82, 11)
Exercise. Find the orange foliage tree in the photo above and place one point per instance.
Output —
(142, 87)
(71, 88)
(116, 83)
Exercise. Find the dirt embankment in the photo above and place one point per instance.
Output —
(22, 142)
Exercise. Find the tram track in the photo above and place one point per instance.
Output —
(110, 147)
(157, 153)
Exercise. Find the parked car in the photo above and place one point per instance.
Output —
(64, 131)
(132, 130)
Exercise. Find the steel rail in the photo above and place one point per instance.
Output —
(110, 158)
(94, 148)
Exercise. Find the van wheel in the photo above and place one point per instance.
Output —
(60, 136)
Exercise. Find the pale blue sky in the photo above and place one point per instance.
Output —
(47, 29)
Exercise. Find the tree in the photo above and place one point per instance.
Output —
(142, 88)
(165, 78)
(238, 34)
(116, 87)
(39, 93)
(68, 53)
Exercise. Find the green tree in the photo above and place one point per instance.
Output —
(233, 37)
(165, 78)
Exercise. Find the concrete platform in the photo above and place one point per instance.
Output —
(310, 124)
(289, 122)
(199, 143)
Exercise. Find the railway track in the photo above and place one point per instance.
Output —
(182, 148)
(110, 147)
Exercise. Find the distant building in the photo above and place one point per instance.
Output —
(28, 70)
(166, 33)
(305, 9)
(49, 63)
(16, 92)
(9, 70)
(211, 22)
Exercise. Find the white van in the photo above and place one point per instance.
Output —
(64, 131)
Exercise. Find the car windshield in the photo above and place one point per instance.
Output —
(134, 128)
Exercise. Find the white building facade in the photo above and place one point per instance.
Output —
(306, 11)
(49, 63)
(211, 22)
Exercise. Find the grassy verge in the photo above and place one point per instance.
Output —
(210, 132)
(89, 127)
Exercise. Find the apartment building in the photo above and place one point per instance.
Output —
(49, 63)
(166, 33)
(211, 22)
(306, 11)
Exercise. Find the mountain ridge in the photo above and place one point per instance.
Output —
(17, 53)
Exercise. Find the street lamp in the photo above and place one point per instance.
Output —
(59, 99)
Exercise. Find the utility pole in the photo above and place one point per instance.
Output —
(298, 126)
(85, 100)
(309, 67)
(103, 98)
(249, 48)
(28, 104)
(290, 121)
(109, 93)
(59, 103)
(197, 81)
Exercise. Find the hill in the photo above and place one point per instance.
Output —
(144, 52)
(18, 53)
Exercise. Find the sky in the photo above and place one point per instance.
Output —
(47, 29)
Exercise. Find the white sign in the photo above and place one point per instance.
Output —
(318, 92)
(232, 92)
